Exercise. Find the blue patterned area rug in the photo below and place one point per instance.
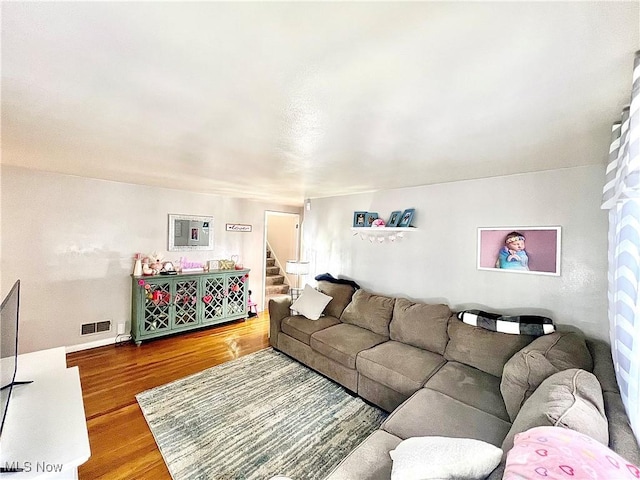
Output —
(256, 417)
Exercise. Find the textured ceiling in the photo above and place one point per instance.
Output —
(284, 101)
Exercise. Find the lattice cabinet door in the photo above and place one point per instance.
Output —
(156, 308)
(186, 299)
(236, 295)
(214, 292)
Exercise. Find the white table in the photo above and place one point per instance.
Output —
(45, 431)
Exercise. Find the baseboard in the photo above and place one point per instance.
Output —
(97, 343)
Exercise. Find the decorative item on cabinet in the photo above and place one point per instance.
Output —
(137, 265)
(190, 267)
(226, 264)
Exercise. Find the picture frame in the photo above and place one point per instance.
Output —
(190, 233)
(369, 218)
(394, 218)
(359, 219)
(499, 249)
(407, 217)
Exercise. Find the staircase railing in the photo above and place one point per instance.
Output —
(287, 280)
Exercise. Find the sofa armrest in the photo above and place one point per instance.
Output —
(278, 310)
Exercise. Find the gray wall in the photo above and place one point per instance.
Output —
(71, 241)
(438, 261)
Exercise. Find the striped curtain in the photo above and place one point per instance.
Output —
(621, 196)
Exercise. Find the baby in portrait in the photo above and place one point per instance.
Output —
(512, 255)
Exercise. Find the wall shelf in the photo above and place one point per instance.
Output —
(381, 234)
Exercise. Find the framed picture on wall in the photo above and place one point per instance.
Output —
(533, 250)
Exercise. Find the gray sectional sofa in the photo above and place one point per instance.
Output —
(438, 376)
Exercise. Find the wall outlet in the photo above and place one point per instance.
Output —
(121, 329)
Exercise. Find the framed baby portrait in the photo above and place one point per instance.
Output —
(532, 250)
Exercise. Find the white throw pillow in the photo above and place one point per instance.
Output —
(311, 303)
(423, 458)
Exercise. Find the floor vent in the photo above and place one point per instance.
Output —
(96, 327)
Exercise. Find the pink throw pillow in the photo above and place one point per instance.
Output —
(550, 453)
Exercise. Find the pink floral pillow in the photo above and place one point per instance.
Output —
(549, 453)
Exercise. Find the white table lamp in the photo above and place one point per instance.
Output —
(297, 268)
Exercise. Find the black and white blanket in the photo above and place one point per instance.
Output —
(514, 324)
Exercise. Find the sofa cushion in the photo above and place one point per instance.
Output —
(340, 294)
(301, 328)
(436, 458)
(343, 342)
(564, 350)
(543, 357)
(571, 399)
(471, 386)
(428, 412)
(420, 324)
(369, 461)
(310, 303)
(400, 367)
(369, 311)
(485, 350)
(522, 374)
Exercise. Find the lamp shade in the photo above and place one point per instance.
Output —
(296, 267)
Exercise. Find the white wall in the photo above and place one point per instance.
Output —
(71, 241)
(437, 262)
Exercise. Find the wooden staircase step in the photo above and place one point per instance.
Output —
(271, 262)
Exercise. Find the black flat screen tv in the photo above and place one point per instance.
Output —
(9, 311)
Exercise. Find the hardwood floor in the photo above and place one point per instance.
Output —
(122, 446)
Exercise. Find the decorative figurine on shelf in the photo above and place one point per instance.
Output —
(378, 222)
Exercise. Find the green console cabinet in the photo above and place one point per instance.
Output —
(166, 304)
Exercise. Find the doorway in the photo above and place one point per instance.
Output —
(282, 243)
